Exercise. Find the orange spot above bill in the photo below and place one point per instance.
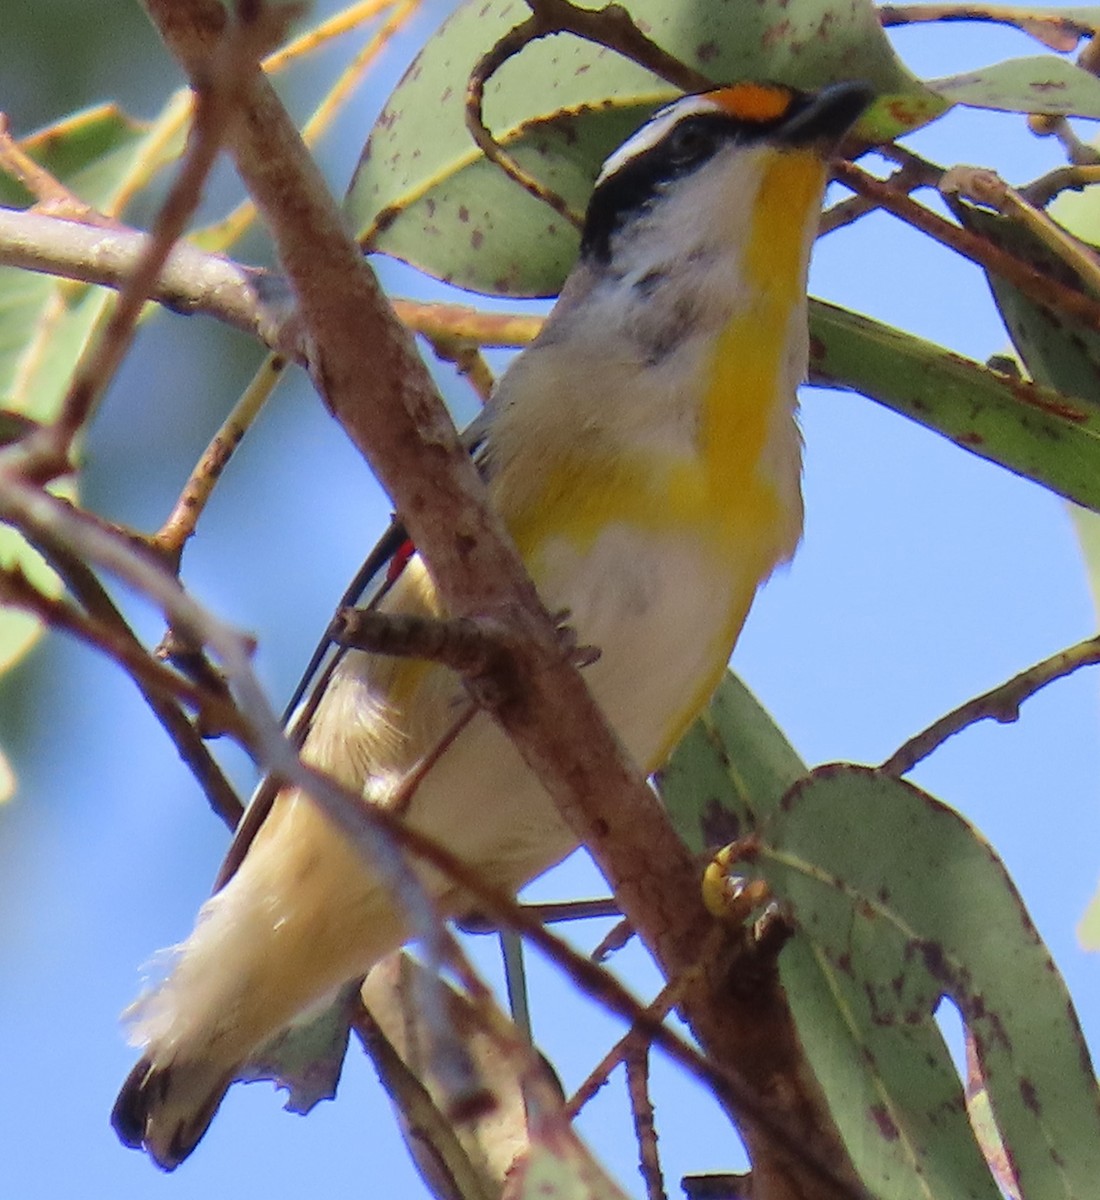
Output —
(753, 101)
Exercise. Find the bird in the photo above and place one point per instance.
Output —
(645, 455)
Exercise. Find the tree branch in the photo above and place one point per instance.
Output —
(189, 281)
(1001, 703)
(1042, 289)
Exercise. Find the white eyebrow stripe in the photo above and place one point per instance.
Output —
(654, 130)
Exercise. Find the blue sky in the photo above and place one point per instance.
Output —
(926, 576)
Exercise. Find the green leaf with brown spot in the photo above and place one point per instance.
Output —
(1058, 349)
(1034, 431)
(897, 901)
(905, 902)
(424, 193)
(1042, 84)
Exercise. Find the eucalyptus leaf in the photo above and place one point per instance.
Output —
(1034, 431)
(558, 1166)
(729, 772)
(904, 903)
(897, 902)
(1058, 349)
(424, 193)
(729, 775)
(1040, 84)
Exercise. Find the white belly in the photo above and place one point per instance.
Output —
(663, 616)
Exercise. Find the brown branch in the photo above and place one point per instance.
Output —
(190, 281)
(1001, 703)
(169, 540)
(1055, 31)
(465, 645)
(612, 27)
(249, 299)
(986, 187)
(645, 1128)
(1034, 284)
(106, 630)
(1040, 192)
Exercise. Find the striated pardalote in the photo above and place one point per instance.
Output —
(645, 455)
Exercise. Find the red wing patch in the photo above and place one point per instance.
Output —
(399, 561)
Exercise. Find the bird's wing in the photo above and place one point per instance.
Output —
(371, 584)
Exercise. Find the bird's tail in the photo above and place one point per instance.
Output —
(261, 954)
(165, 1109)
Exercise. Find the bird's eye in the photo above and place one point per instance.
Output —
(689, 143)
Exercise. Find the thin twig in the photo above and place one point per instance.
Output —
(50, 194)
(645, 1128)
(986, 187)
(1001, 703)
(1078, 152)
(106, 630)
(1040, 192)
(1034, 284)
(469, 362)
(615, 29)
(551, 913)
(911, 174)
(510, 44)
(463, 324)
(655, 1012)
(1054, 30)
(17, 591)
(82, 581)
(613, 941)
(169, 540)
(464, 644)
(612, 27)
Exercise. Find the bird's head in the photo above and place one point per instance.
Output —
(700, 168)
